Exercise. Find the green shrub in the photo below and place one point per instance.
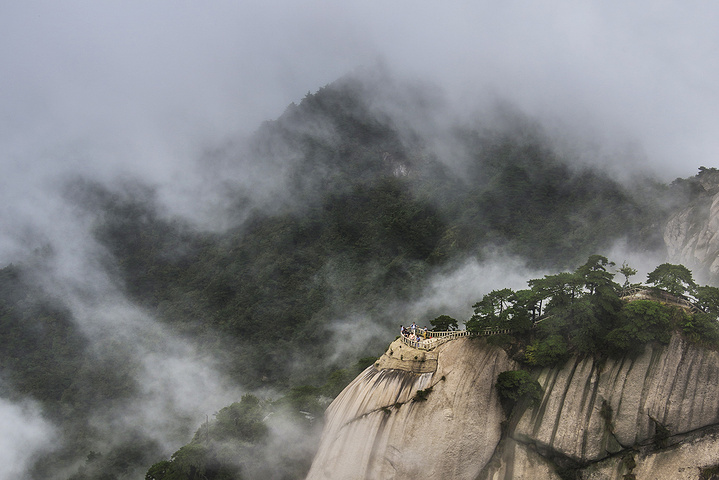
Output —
(709, 473)
(640, 322)
(444, 323)
(514, 385)
(422, 395)
(701, 328)
(547, 352)
(500, 340)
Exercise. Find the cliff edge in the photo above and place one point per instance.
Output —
(655, 415)
(652, 415)
(395, 423)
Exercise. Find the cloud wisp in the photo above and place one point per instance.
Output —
(139, 90)
(23, 434)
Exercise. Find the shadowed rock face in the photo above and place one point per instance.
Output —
(653, 416)
(591, 410)
(377, 429)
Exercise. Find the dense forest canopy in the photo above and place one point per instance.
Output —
(359, 213)
(586, 312)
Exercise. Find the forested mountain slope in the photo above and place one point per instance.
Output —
(364, 213)
(359, 203)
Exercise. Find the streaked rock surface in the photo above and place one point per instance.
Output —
(375, 430)
(691, 235)
(654, 416)
(593, 409)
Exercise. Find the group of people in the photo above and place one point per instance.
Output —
(414, 333)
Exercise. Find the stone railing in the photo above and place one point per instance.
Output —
(435, 339)
(646, 293)
(448, 334)
(429, 339)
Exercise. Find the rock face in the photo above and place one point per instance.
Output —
(691, 235)
(653, 416)
(592, 410)
(601, 418)
(377, 428)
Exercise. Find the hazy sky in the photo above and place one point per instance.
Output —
(142, 85)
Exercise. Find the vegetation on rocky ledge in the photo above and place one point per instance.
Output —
(585, 312)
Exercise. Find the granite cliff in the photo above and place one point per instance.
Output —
(652, 415)
(400, 423)
(691, 234)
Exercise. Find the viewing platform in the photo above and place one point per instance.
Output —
(429, 339)
(420, 356)
(632, 294)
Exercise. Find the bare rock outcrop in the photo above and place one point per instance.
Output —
(379, 428)
(691, 235)
(516, 460)
(592, 409)
(654, 415)
(688, 459)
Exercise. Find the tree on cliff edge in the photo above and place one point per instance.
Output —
(675, 279)
(444, 323)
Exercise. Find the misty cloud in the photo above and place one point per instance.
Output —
(454, 292)
(145, 90)
(23, 435)
(142, 88)
(167, 92)
(352, 334)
